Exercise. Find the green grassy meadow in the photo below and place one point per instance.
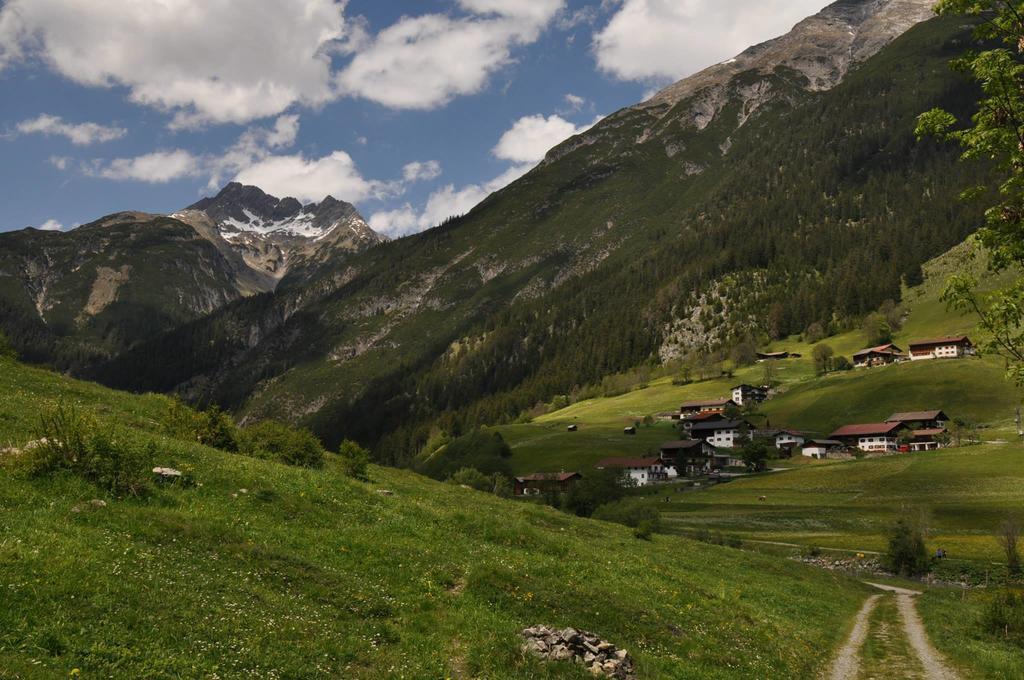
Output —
(965, 494)
(263, 570)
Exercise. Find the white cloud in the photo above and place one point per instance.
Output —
(80, 134)
(421, 171)
(60, 162)
(423, 62)
(531, 137)
(158, 167)
(574, 102)
(310, 179)
(51, 225)
(537, 11)
(670, 39)
(446, 202)
(206, 60)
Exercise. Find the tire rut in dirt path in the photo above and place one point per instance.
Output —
(846, 665)
(934, 664)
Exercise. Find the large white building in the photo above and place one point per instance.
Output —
(643, 471)
(870, 437)
(955, 347)
(723, 434)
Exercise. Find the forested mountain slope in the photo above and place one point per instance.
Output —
(815, 209)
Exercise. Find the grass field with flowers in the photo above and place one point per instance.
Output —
(264, 570)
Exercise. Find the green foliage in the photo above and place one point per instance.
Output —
(1004, 616)
(502, 486)
(995, 135)
(744, 354)
(1009, 538)
(70, 440)
(276, 441)
(841, 363)
(755, 453)
(907, 554)
(877, 329)
(211, 427)
(631, 511)
(472, 478)
(486, 452)
(814, 333)
(823, 358)
(355, 460)
(7, 350)
(594, 490)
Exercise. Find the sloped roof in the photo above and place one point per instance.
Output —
(822, 442)
(681, 444)
(628, 462)
(707, 402)
(916, 416)
(548, 476)
(887, 348)
(950, 339)
(865, 429)
(718, 425)
(930, 432)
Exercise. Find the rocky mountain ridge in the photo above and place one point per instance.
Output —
(815, 56)
(272, 234)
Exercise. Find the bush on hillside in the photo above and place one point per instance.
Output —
(472, 478)
(355, 460)
(823, 358)
(69, 440)
(272, 440)
(1004, 616)
(211, 427)
(907, 554)
(841, 363)
(7, 350)
(485, 451)
(596, 489)
(633, 512)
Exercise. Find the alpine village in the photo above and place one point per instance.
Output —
(512, 339)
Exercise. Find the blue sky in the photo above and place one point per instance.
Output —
(411, 110)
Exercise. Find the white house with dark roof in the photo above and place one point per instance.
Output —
(643, 471)
(870, 437)
(924, 419)
(724, 434)
(950, 347)
(820, 448)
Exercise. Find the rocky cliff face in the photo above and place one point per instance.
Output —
(272, 235)
(815, 56)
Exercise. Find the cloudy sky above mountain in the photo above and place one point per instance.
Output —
(413, 110)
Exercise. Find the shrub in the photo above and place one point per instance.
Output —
(594, 490)
(1004, 616)
(7, 351)
(485, 451)
(502, 486)
(841, 363)
(633, 512)
(472, 478)
(907, 554)
(355, 460)
(644, 530)
(69, 440)
(211, 427)
(823, 357)
(272, 440)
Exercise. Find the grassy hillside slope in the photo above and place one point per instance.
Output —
(268, 571)
(971, 389)
(966, 493)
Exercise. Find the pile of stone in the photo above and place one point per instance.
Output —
(597, 655)
(852, 563)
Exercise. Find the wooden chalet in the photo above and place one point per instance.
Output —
(545, 482)
(706, 406)
(689, 457)
(878, 356)
(726, 434)
(920, 419)
(749, 394)
(643, 471)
